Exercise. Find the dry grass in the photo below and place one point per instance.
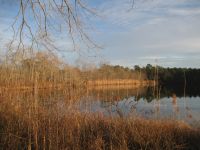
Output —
(40, 129)
(122, 82)
(36, 121)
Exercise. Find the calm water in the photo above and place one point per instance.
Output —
(165, 104)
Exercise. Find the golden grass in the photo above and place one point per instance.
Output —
(115, 87)
(35, 121)
(30, 121)
(120, 82)
(39, 129)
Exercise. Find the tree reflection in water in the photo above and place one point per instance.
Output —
(142, 102)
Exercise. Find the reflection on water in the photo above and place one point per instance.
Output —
(171, 104)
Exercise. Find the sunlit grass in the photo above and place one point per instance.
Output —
(41, 120)
(26, 123)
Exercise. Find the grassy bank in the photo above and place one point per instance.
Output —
(44, 120)
(45, 70)
(39, 129)
(95, 84)
(48, 120)
(120, 82)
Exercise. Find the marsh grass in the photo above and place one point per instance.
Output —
(80, 131)
(26, 124)
(40, 120)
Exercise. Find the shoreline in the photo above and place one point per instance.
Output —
(90, 84)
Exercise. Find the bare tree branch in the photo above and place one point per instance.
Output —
(37, 20)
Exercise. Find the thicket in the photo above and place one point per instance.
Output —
(27, 123)
(171, 76)
(47, 70)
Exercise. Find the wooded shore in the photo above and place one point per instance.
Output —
(121, 82)
(91, 83)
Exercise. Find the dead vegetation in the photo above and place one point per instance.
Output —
(34, 121)
(45, 70)
(38, 120)
(83, 131)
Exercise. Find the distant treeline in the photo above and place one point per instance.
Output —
(106, 71)
(45, 70)
(171, 76)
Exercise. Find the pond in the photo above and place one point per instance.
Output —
(166, 103)
(174, 103)
(60, 119)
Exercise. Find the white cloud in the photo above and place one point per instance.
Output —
(184, 11)
(159, 29)
(167, 30)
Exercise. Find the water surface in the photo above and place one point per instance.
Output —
(163, 103)
(168, 103)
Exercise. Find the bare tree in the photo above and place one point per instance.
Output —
(37, 20)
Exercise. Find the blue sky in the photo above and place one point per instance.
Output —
(166, 32)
